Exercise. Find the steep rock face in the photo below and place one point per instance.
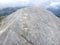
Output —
(30, 26)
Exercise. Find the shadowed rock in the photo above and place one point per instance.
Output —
(30, 26)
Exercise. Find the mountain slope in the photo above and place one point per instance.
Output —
(30, 26)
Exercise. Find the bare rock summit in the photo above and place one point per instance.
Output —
(30, 26)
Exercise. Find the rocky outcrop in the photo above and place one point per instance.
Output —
(30, 26)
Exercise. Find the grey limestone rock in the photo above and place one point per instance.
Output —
(30, 26)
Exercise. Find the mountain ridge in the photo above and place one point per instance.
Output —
(30, 26)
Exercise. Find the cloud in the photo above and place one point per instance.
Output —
(21, 2)
(13, 3)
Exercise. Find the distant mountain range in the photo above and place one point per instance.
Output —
(55, 9)
(9, 10)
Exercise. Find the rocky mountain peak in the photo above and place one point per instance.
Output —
(30, 26)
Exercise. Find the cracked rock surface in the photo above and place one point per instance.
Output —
(30, 26)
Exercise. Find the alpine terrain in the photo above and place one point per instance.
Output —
(30, 26)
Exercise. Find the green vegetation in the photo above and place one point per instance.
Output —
(1, 18)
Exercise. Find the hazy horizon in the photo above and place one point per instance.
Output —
(14, 3)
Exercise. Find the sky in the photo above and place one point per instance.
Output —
(20, 2)
(13, 3)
